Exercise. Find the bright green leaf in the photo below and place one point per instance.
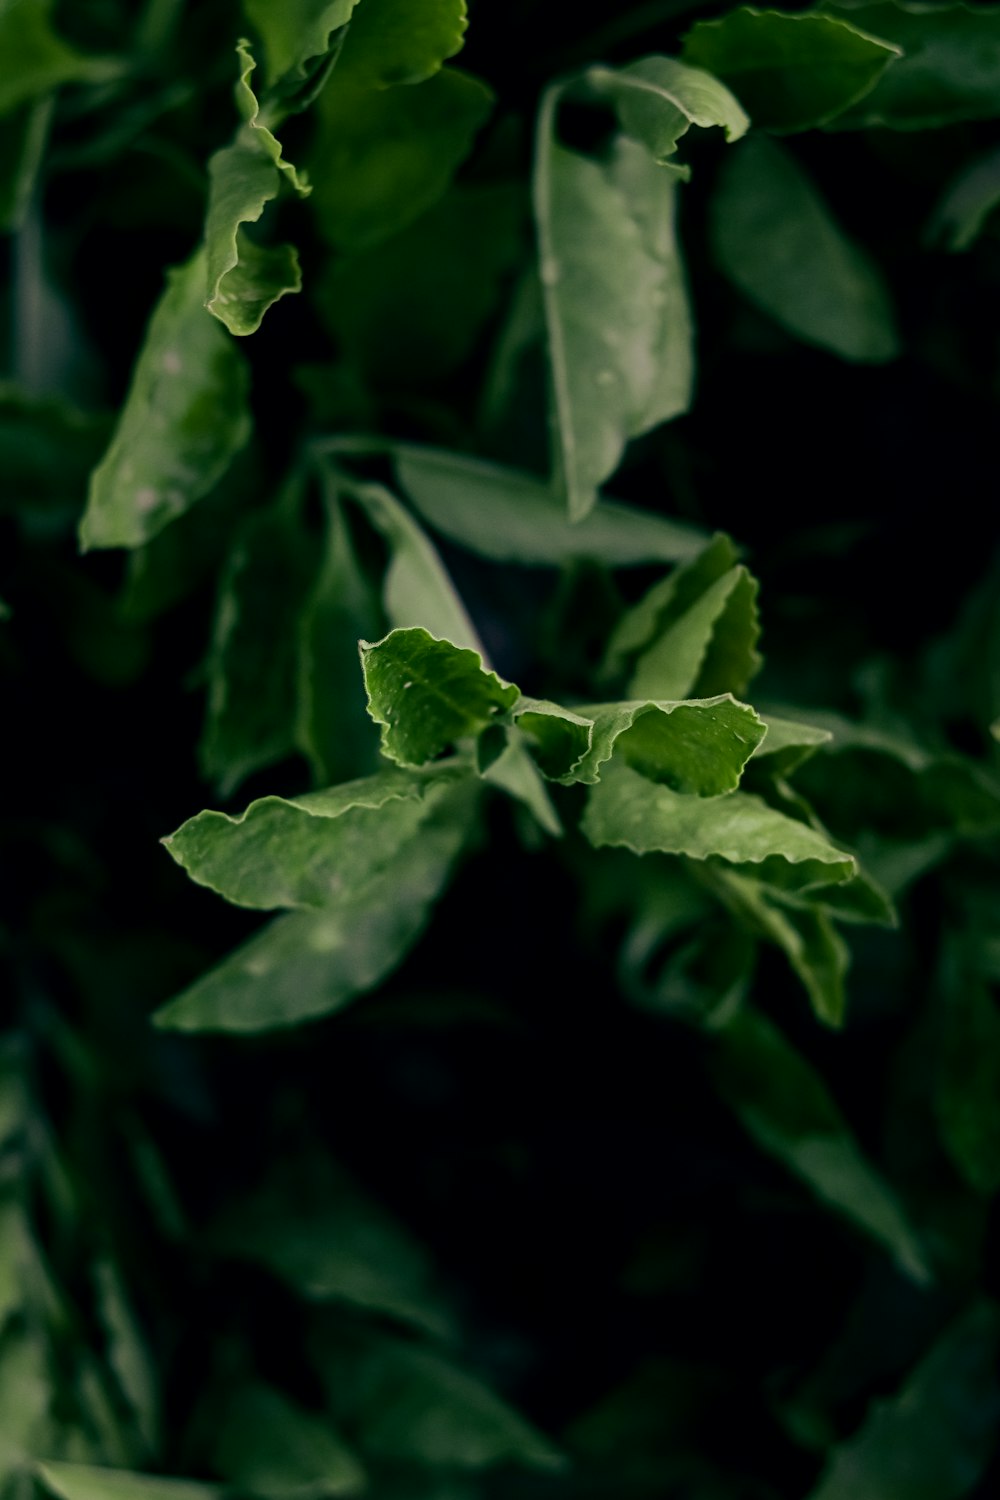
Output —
(314, 850)
(658, 99)
(296, 33)
(934, 1438)
(509, 516)
(184, 420)
(428, 694)
(775, 239)
(949, 70)
(697, 748)
(270, 1447)
(308, 963)
(791, 72)
(628, 810)
(785, 1106)
(402, 41)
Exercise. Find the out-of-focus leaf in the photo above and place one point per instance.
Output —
(313, 1226)
(270, 1447)
(128, 1354)
(787, 744)
(698, 748)
(965, 208)
(25, 1398)
(251, 709)
(693, 634)
(628, 810)
(402, 41)
(428, 694)
(658, 99)
(34, 60)
(790, 72)
(184, 420)
(244, 278)
(412, 1405)
(949, 70)
(784, 1104)
(509, 516)
(332, 729)
(308, 963)
(312, 850)
(296, 34)
(87, 1482)
(23, 135)
(382, 157)
(775, 239)
(967, 1091)
(47, 449)
(413, 306)
(932, 1440)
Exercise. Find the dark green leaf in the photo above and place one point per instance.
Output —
(775, 239)
(791, 72)
(967, 204)
(967, 1092)
(128, 1354)
(270, 1447)
(658, 99)
(34, 60)
(184, 420)
(428, 694)
(784, 1104)
(932, 1440)
(402, 41)
(23, 137)
(509, 516)
(86, 1482)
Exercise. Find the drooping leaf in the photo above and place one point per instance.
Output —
(628, 810)
(967, 204)
(658, 99)
(314, 1227)
(415, 305)
(791, 71)
(308, 963)
(428, 694)
(949, 69)
(34, 59)
(402, 41)
(270, 1447)
(787, 744)
(784, 1104)
(314, 850)
(244, 278)
(509, 516)
(410, 1404)
(86, 1482)
(698, 748)
(382, 157)
(775, 239)
(251, 711)
(184, 420)
(694, 634)
(932, 1440)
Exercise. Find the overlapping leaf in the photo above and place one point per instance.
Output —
(271, 1447)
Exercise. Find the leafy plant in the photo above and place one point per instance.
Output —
(524, 471)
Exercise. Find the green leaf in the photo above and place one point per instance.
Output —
(658, 99)
(967, 1085)
(23, 138)
(414, 306)
(693, 634)
(244, 278)
(791, 72)
(964, 210)
(251, 710)
(128, 1354)
(332, 728)
(416, 589)
(312, 1226)
(428, 694)
(787, 744)
(933, 1439)
(295, 34)
(509, 516)
(314, 850)
(34, 60)
(270, 1447)
(628, 810)
(785, 1106)
(184, 420)
(308, 963)
(86, 1482)
(775, 239)
(402, 41)
(949, 70)
(25, 1398)
(697, 748)
(410, 1404)
(381, 158)
(47, 449)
